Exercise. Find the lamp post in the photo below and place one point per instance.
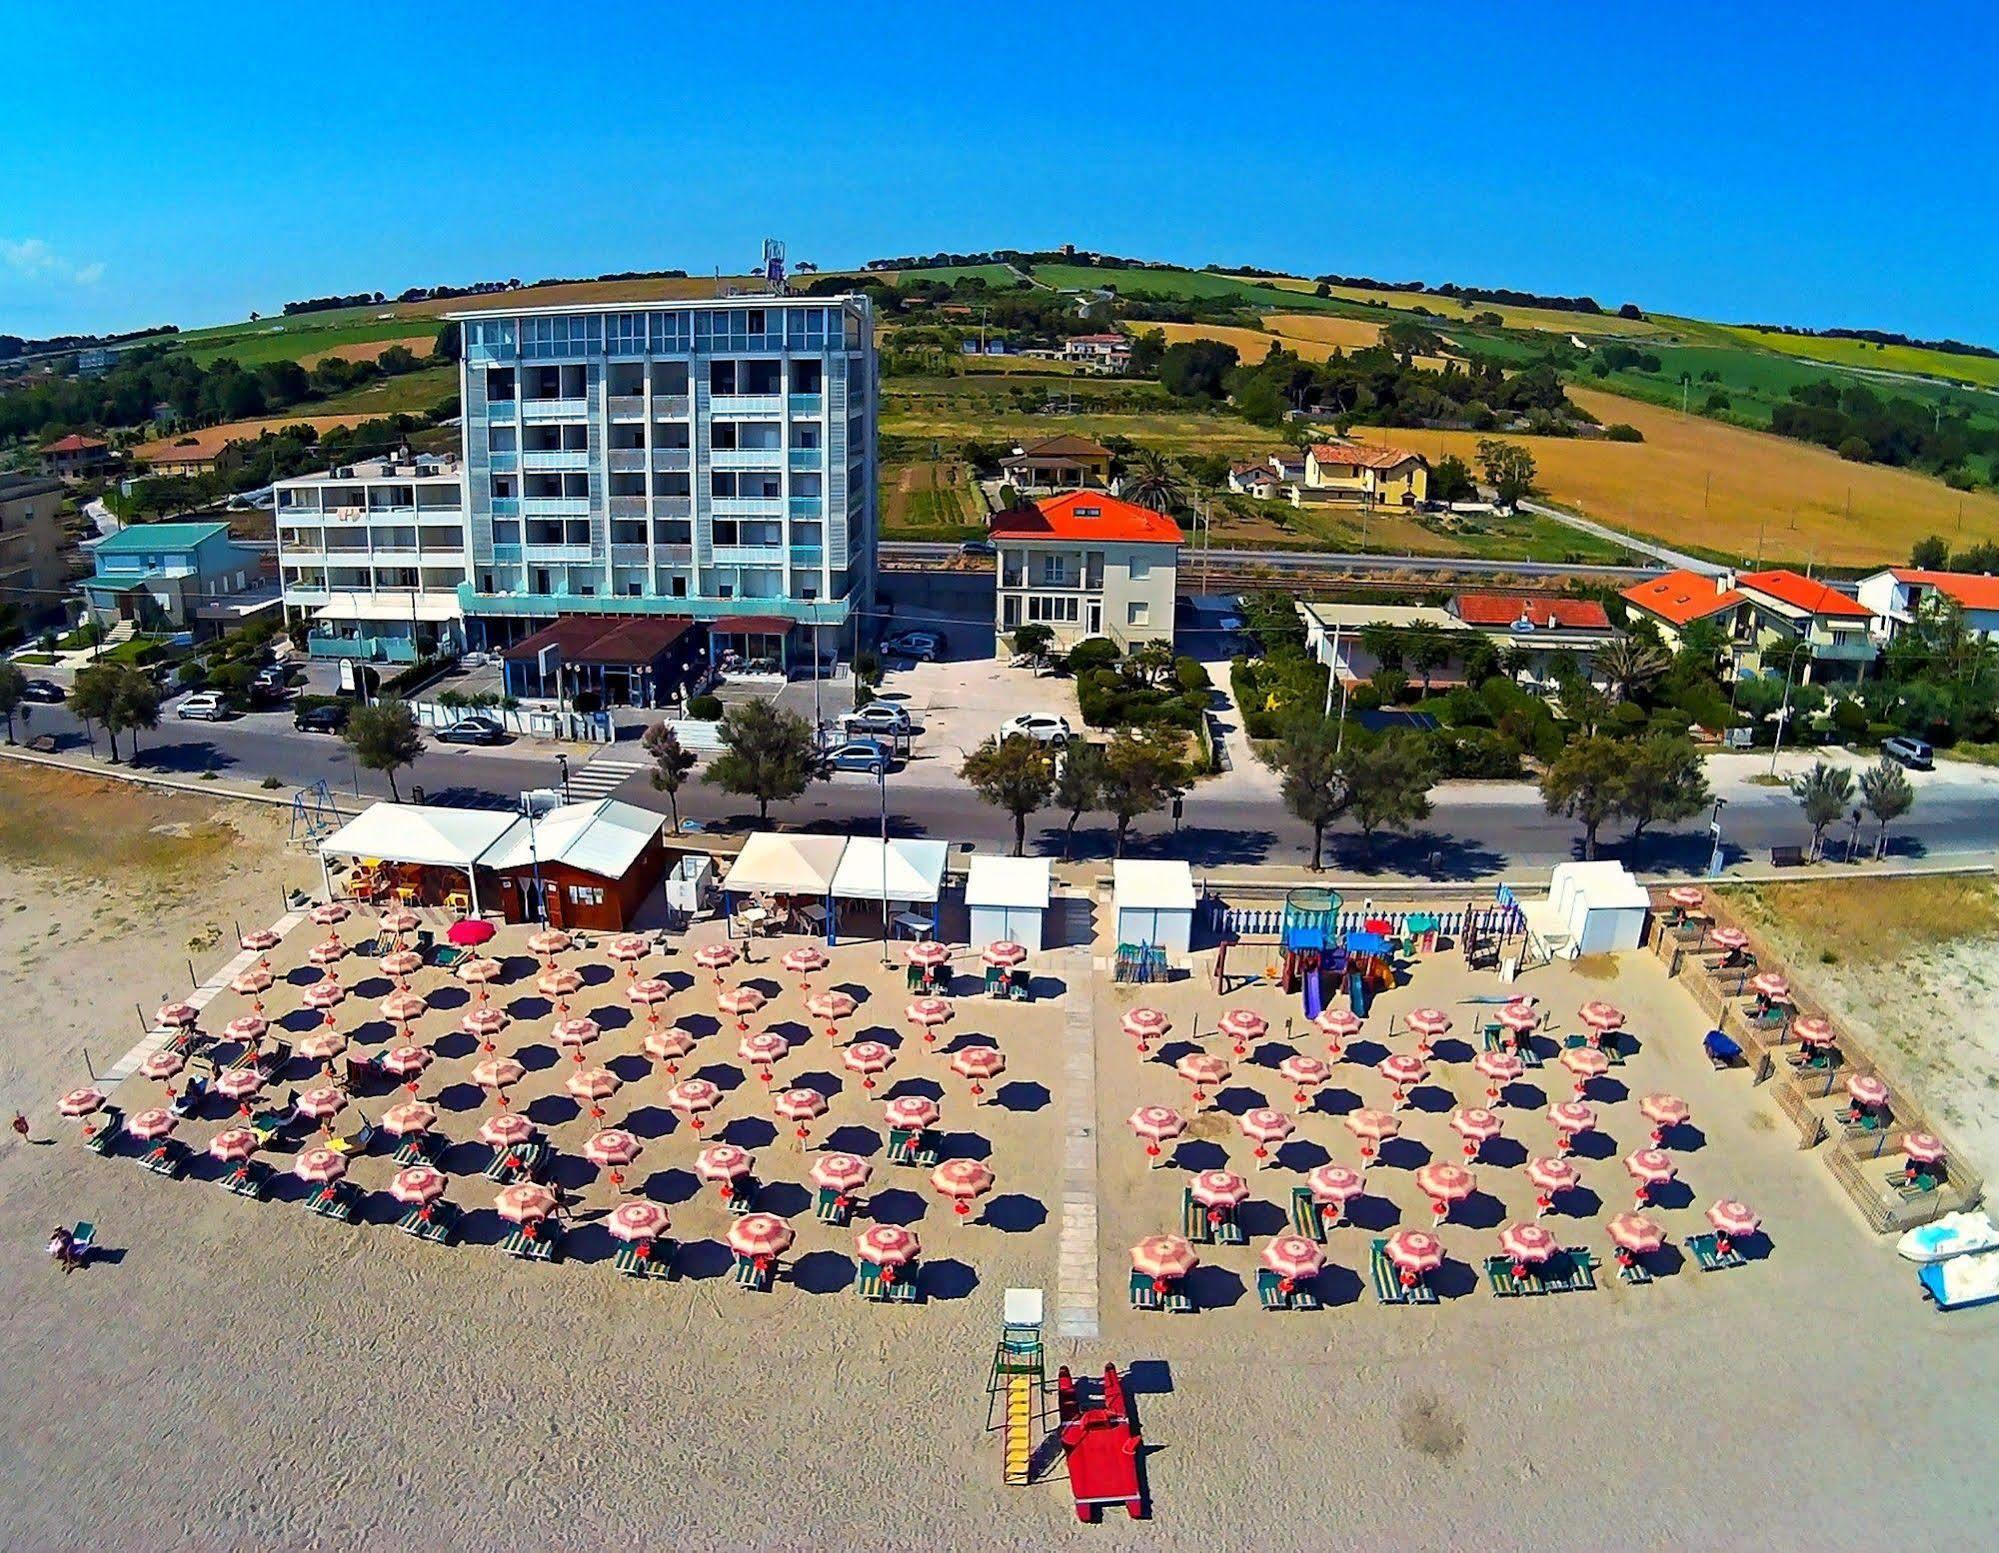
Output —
(881, 778)
(1714, 839)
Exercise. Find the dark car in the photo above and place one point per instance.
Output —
(858, 755)
(46, 691)
(327, 717)
(978, 547)
(473, 730)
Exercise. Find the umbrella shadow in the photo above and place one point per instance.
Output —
(1170, 1052)
(537, 1056)
(1607, 1090)
(482, 1227)
(947, 1279)
(1450, 1049)
(453, 1043)
(650, 1121)
(964, 1145)
(515, 966)
(552, 1110)
(1256, 1217)
(596, 974)
(1594, 1144)
(1501, 1153)
(453, 995)
(1301, 1154)
(1684, 1138)
(827, 1082)
(461, 1096)
(1454, 1280)
(896, 1205)
(1431, 1099)
(1270, 1053)
(748, 1132)
(1671, 1195)
(671, 1185)
(1198, 1154)
(461, 1159)
(1337, 1286)
(823, 1272)
(588, 1243)
(571, 1172)
(1481, 1210)
(1372, 1213)
(1669, 1261)
(700, 1260)
(534, 1007)
(1336, 1101)
(1022, 1096)
(1364, 1051)
(1015, 1213)
(1404, 1153)
(1214, 1288)
(1521, 1095)
(1578, 1202)
(629, 1066)
(796, 1031)
(786, 1199)
(722, 1076)
(613, 1016)
(858, 991)
(927, 1088)
(1236, 1099)
(769, 986)
(853, 1139)
(884, 1035)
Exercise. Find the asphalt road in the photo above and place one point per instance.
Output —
(1477, 831)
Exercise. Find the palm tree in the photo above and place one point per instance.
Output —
(1886, 792)
(1152, 481)
(1822, 793)
(1631, 663)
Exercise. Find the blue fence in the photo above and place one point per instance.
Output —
(1267, 922)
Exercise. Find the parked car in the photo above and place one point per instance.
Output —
(474, 730)
(923, 646)
(877, 717)
(327, 717)
(978, 547)
(1913, 753)
(1042, 727)
(204, 706)
(867, 755)
(269, 679)
(46, 691)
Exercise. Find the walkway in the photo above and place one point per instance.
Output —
(1658, 552)
(1076, 1295)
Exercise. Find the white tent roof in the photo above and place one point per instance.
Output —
(421, 833)
(404, 606)
(1151, 886)
(914, 870)
(1018, 882)
(603, 838)
(785, 865)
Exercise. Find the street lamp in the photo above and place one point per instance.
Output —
(1714, 839)
(881, 779)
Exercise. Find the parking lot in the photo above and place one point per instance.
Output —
(956, 705)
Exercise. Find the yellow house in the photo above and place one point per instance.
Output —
(1355, 471)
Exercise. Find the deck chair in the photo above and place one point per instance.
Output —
(1707, 1252)
(353, 1143)
(995, 982)
(645, 1258)
(1388, 1287)
(109, 1130)
(835, 1208)
(1613, 1047)
(1194, 1221)
(1019, 988)
(434, 1222)
(1631, 1270)
(1177, 1300)
(189, 1101)
(333, 1201)
(251, 1179)
(418, 1148)
(1308, 1216)
(273, 1062)
(742, 1194)
(1228, 1231)
(1143, 1295)
(168, 1158)
(908, 1146)
(82, 1241)
(268, 1124)
(1270, 1290)
(1920, 1184)
(1529, 1053)
(523, 1163)
(1721, 1049)
(447, 956)
(1499, 1277)
(916, 978)
(750, 1276)
(538, 1240)
(1571, 1270)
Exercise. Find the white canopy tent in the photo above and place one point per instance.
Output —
(908, 873)
(770, 864)
(605, 837)
(1007, 898)
(426, 834)
(1154, 903)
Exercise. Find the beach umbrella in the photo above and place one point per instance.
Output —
(1334, 1186)
(152, 1124)
(326, 951)
(1811, 1030)
(802, 1106)
(320, 1103)
(804, 962)
(549, 943)
(961, 1180)
(1498, 1069)
(405, 1062)
(320, 1167)
(760, 1237)
(401, 1007)
(1305, 1074)
(328, 914)
(648, 992)
(252, 984)
(1526, 1244)
(161, 1065)
(1157, 1125)
(1922, 1148)
(927, 1014)
(1772, 985)
(1663, 1111)
(1293, 1258)
(868, 1058)
(978, 1063)
(401, 963)
(1601, 1017)
(1520, 1018)
(1649, 1168)
(1586, 1063)
(483, 1022)
(177, 1016)
(1428, 1023)
(470, 932)
(1203, 1072)
(325, 996)
(238, 1084)
(928, 955)
(497, 1073)
(1445, 1184)
(399, 920)
(1732, 1220)
(417, 1186)
(666, 1043)
(1241, 1026)
(1413, 1252)
(629, 948)
(1475, 1125)
(1867, 1090)
(716, 958)
(610, 1149)
(575, 1034)
(412, 1116)
(1730, 938)
(1004, 955)
(594, 1085)
(524, 1202)
(506, 1130)
(761, 1050)
(559, 985)
(322, 1045)
(1371, 1127)
(911, 1113)
(1144, 1025)
(740, 1002)
(1688, 897)
(691, 1097)
(1163, 1258)
(480, 971)
(841, 1174)
(1634, 1235)
(889, 1247)
(1338, 1025)
(1570, 1117)
(1404, 1070)
(263, 941)
(831, 1006)
(1265, 1127)
(637, 1220)
(1548, 1176)
(1218, 1191)
(232, 1145)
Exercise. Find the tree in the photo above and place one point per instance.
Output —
(1822, 793)
(13, 689)
(1586, 782)
(1931, 554)
(1306, 757)
(94, 698)
(1885, 790)
(1077, 788)
(1389, 783)
(1508, 468)
(671, 764)
(867, 676)
(1630, 663)
(1665, 781)
(1429, 649)
(1141, 770)
(1033, 639)
(1451, 480)
(137, 702)
(1011, 774)
(767, 754)
(384, 737)
(1384, 644)
(1153, 482)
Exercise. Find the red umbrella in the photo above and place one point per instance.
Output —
(868, 1058)
(1338, 1024)
(507, 1130)
(177, 1016)
(1811, 1030)
(1570, 1117)
(759, 1236)
(1413, 1252)
(1305, 1074)
(1867, 1090)
(1264, 1127)
(961, 1180)
(161, 1065)
(1371, 1127)
(1004, 955)
(469, 932)
(740, 1002)
(320, 1104)
(665, 1043)
(1202, 1071)
(1526, 1243)
(417, 1186)
(1218, 1189)
(1519, 1017)
(1334, 1186)
(1499, 1069)
(1922, 1148)
(1649, 1168)
(762, 1049)
(637, 1219)
(1634, 1234)
(928, 1014)
(233, 1145)
(1688, 897)
(928, 955)
(1601, 1016)
(152, 1124)
(246, 1029)
(1729, 938)
(1443, 1185)
(1732, 1220)
(887, 1246)
(1243, 1025)
(691, 1097)
(910, 1112)
(1475, 1125)
(1157, 1124)
(1144, 1025)
(802, 1106)
(328, 913)
(399, 1121)
(830, 1006)
(325, 996)
(649, 992)
(1163, 1257)
(524, 1202)
(977, 1063)
(840, 1173)
(1549, 1176)
(1293, 1258)
(1403, 1070)
(1663, 1111)
(594, 1085)
(1772, 985)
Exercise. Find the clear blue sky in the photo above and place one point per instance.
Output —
(1821, 164)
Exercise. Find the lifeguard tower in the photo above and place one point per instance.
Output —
(1017, 1389)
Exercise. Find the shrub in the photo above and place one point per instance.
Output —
(1849, 720)
(1363, 698)
(1477, 752)
(582, 701)
(705, 709)
(1190, 675)
(1093, 652)
(1856, 450)
(1622, 431)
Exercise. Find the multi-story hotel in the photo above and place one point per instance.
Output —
(708, 461)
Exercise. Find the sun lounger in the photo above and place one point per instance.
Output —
(334, 1201)
(1194, 1221)
(82, 1241)
(269, 1064)
(1707, 1252)
(522, 1163)
(268, 1124)
(168, 1158)
(1570, 1270)
(1308, 1216)
(1632, 1270)
(353, 1143)
(912, 1147)
(834, 1208)
(251, 1179)
(655, 1260)
(1271, 1291)
(418, 1148)
(1019, 988)
(110, 1125)
(1529, 1054)
(447, 956)
(1499, 1276)
(1920, 1184)
(539, 1240)
(1143, 1295)
(750, 1274)
(435, 1222)
(995, 982)
(1177, 1300)
(189, 1101)
(1388, 1285)
(903, 1289)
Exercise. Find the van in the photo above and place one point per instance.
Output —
(1913, 753)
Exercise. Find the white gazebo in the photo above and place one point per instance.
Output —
(799, 868)
(905, 874)
(427, 835)
(1008, 899)
(1154, 903)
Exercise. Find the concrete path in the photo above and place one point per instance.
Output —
(1076, 1293)
(1658, 552)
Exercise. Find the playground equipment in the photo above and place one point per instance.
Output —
(1309, 939)
(1017, 1389)
(1101, 1446)
(313, 816)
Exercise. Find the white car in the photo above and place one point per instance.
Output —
(1042, 727)
(206, 705)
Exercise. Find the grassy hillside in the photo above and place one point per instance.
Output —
(1982, 371)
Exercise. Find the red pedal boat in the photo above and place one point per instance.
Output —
(1100, 1445)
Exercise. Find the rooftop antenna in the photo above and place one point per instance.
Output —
(773, 265)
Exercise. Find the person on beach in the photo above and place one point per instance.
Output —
(62, 1246)
(21, 1123)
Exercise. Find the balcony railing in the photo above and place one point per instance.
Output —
(828, 612)
(551, 459)
(748, 506)
(670, 407)
(745, 404)
(626, 506)
(806, 458)
(555, 506)
(807, 405)
(671, 460)
(554, 409)
(625, 461)
(628, 406)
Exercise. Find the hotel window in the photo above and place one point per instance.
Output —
(1138, 614)
(1140, 569)
(585, 895)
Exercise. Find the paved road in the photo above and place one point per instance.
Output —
(1662, 553)
(929, 553)
(1478, 830)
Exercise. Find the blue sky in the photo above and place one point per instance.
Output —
(1829, 164)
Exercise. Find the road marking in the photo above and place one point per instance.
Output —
(1076, 1292)
(601, 778)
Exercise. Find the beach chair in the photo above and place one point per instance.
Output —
(538, 1240)
(1019, 987)
(1194, 1221)
(82, 1241)
(447, 956)
(1612, 1044)
(1177, 1300)
(1530, 1054)
(912, 1146)
(251, 1179)
(1494, 1036)
(1308, 1216)
(1387, 1283)
(335, 1201)
(917, 978)
(1499, 1277)
(194, 1091)
(1270, 1290)
(1570, 1270)
(1920, 1184)
(109, 1130)
(645, 1259)
(754, 1275)
(418, 1148)
(1706, 1250)
(1143, 1295)
(835, 1208)
(269, 1064)
(269, 1124)
(523, 1163)
(742, 1194)
(995, 982)
(168, 1158)
(1722, 1050)
(352, 1144)
(1631, 1270)
(901, 1290)
(434, 1222)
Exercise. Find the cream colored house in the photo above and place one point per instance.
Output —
(1086, 564)
(1355, 471)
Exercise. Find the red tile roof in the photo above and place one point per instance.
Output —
(74, 443)
(1503, 609)
(1086, 515)
(1361, 455)
(1973, 590)
(1680, 597)
(1820, 598)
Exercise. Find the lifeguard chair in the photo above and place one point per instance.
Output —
(1017, 1389)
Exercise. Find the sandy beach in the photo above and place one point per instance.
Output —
(233, 1374)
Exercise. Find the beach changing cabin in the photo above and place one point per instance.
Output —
(1007, 898)
(1154, 903)
(1592, 908)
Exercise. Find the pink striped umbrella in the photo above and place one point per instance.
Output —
(1265, 1127)
(253, 983)
(1334, 1186)
(595, 1085)
(405, 1062)
(868, 1058)
(321, 1103)
(549, 943)
(161, 1065)
(326, 951)
(1649, 1168)
(1157, 1125)
(177, 1016)
(1811, 1030)
(978, 1063)
(483, 1022)
(400, 1008)
(928, 955)
(401, 964)
(831, 1005)
(1548, 1176)
(1601, 1017)
(507, 1130)
(887, 1246)
(841, 1174)
(1241, 1026)
(1688, 897)
(1867, 1090)
(1526, 1244)
(1634, 1234)
(559, 985)
(1203, 1072)
(665, 1043)
(1663, 1111)
(691, 1097)
(927, 1014)
(1413, 1252)
(804, 962)
(1144, 1025)
(328, 914)
(232, 1145)
(262, 941)
(611, 1148)
(1730, 938)
(1498, 1069)
(321, 1167)
(910, 1112)
(1922, 1148)
(1429, 1023)
(648, 992)
(480, 971)
(1004, 955)
(637, 1219)
(1732, 1220)
(1519, 1017)
(1293, 1258)
(802, 1106)
(412, 1116)
(629, 948)
(1305, 1074)
(1445, 1184)
(152, 1124)
(575, 1034)
(418, 1186)
(1338, 1025)
(497, 1073)
(238, 1083)
(1218, 1189)
(1570, 1117)
(1586, 1063)
(1772, 985)
(759, 1236)
(399, 920)
(1371, 1127)
(324, 996)
(1475, 1125)
(246, 1029)
(961, 1180)
(1404, 1070)
(1163, 1257)
(761, 1050)
(524, 1202)
(716, 958)
(740, 1002)
(322, 1045)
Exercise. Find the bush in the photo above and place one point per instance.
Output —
(583, 701)
(406, 680)
(1856, 450)
(1622, 431)
(1093, 652)
(705, 709)
(1363, 698)
(1477, 752)
(1849, 721)
(1190, 675)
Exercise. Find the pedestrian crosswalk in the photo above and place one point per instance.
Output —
(600, 778)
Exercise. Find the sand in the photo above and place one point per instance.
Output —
(243, 1375)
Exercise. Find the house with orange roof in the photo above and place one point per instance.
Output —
(75, 457)
(1360, 471)
(1086, 564)
(1898, 596)
(1764, 615)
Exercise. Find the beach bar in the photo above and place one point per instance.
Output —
(1008, 900)
(594, 863)
(413, 852)
(776, 879)
(908, 875)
